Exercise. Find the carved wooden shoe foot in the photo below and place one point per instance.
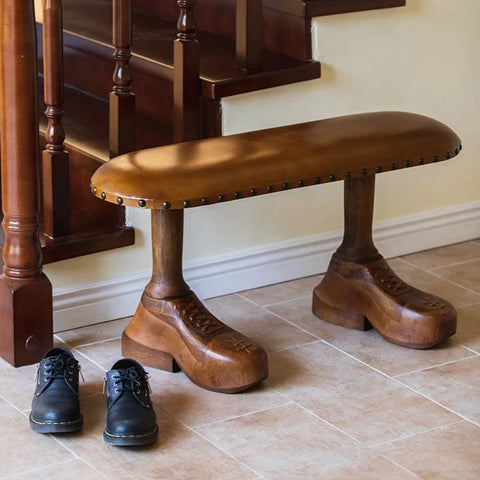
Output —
(182, 333)
(368, 295)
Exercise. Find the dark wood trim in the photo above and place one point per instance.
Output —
(315, 8)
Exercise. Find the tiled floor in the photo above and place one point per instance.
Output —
(339, 404)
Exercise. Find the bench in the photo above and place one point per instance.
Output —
(171, 329)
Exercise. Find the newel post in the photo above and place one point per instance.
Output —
(25, 292)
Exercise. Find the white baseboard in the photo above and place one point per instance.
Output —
(86, 304)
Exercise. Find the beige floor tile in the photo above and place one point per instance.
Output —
(104, 354)
(455, 385)
(453, 291)
(21, 447)
(94, 333)
(468, 328)
(446, 453)
(193, 406)
(178, 454)
(70, 470)
(282, 292)
(258, 324)
(466, 274)
(443, 256)
(356, 399)
(290, 443)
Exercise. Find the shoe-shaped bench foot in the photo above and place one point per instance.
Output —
(180, 333)
(366, 295)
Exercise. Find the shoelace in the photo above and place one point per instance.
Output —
(55, 367)
(127, 380)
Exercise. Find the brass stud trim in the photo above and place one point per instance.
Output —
(166, 205)
(94, 190)
(142, 203)
(119, 200)
(103, 195)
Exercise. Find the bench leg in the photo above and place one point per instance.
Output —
(172, 330)
(361, 291)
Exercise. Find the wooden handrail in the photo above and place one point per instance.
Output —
(122, 100)
(55, 161)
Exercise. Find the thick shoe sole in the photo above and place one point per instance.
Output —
(130, 440)
(56, 427)
(371, 295)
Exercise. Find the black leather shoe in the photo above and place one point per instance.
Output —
(130, 416)
(55, 404)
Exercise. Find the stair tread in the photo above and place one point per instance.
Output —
(85, 122)
(152, 43)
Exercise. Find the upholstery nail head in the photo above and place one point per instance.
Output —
(364, 171)
(253, 192)
(318, 180)
(94, 190)
(166, 205)
(204, 201)
(379, 169)
(186, 203)
(332, 177)
(119, 200)
(221, 198)
(142, 203)
(285, 186)
(103, 195)
(237, 195)
(301, 183)
(394, 166)
(269, 189)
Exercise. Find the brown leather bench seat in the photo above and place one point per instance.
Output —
(226, 168)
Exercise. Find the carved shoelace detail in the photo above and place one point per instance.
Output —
(198, 316)
(389, 281)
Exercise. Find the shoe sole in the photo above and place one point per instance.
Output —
(130, 440)
(56, 427)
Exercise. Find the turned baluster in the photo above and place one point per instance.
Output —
(55, 162)
(25, 292)
(249, 34)
(186, 83)
(122, 99)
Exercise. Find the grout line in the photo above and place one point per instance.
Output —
(87, 344)
(236, 417)
(410, 435)
(225, 452)
(414, 475)
(436, 275)
(435, 366)
(338, 429)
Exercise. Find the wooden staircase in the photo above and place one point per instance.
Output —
(228, 66)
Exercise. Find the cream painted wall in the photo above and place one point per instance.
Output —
(423, 58)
